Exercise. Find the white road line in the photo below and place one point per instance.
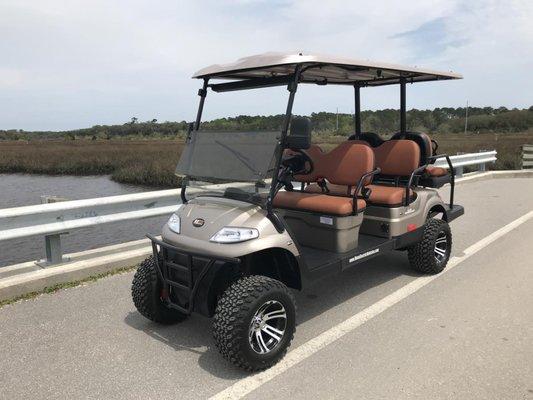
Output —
(244, 386)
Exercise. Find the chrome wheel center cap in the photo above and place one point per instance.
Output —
(257, 322)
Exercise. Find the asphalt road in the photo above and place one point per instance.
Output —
(467, 334)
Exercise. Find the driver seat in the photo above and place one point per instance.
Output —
(344, 165)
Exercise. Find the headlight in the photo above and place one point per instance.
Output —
(234, 235)
(174, 223)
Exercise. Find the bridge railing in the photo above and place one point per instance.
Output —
(54, 219)
(527, 156)
(460, 161)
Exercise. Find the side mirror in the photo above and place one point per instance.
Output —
(299, 137)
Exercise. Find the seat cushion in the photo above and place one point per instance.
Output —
(436, 171)
(317, 202)
(391, 196)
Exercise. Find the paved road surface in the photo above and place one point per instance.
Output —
(467, 334)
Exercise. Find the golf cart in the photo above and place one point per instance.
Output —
(266, 211)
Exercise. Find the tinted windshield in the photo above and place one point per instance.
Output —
(229, 164)
(229, 156)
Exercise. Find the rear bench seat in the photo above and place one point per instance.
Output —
(397, 159)
(426, 151)
(343, 166)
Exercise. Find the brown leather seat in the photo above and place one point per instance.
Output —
(422, 140)
(318, 202)
(344, 165)
(391, 196)
(396, 159)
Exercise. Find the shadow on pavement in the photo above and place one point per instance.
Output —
(195, 333)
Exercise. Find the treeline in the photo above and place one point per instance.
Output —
(439, 120)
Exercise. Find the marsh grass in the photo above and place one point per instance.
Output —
(152, 162)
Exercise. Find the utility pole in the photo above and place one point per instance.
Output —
(337, 129)
(466, 117)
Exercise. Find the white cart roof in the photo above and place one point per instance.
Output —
(317, 68)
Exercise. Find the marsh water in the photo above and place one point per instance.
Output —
(18, 190)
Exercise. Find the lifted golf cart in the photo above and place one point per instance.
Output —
(266, 211)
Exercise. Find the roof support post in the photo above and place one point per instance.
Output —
(403, 112)
(292, 86)
(202, 93)
(357, 109)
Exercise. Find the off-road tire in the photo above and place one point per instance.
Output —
(422, 255)
(234, 313)
(146, 292)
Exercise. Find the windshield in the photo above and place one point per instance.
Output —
(229, 164)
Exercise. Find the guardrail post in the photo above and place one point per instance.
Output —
(54, 255)
(482, 167)
(458, 172)
(52, 243)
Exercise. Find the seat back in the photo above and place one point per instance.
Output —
(397, 158)
(300, 133)
(344, 165)
(421, 139)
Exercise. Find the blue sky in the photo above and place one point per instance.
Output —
(75, 64)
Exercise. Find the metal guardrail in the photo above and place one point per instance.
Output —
(54, 219)
(527, 156)
(57, 218)
(470, 159)
(60, 217)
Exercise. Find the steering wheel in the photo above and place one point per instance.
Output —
(299, 163)
(294, 164)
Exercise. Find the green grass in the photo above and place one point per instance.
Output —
(66, 285)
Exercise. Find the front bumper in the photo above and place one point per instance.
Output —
(181, 273)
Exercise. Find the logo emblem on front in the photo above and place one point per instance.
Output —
(198, 222)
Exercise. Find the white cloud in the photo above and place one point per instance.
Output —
(78, 63)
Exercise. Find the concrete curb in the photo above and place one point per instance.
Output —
(18, 280)
(21, 279)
